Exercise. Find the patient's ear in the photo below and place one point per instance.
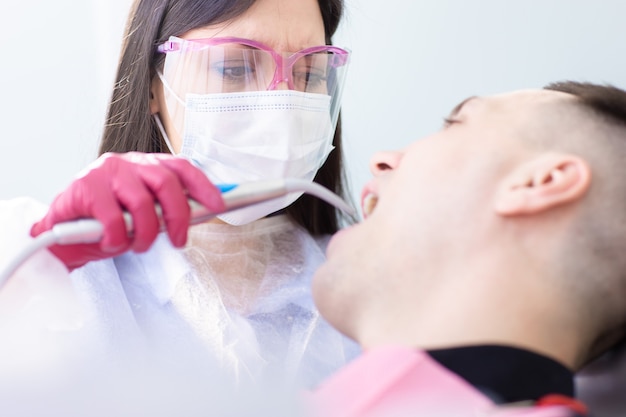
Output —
(542, 183)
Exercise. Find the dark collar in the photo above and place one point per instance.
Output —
(507, 374)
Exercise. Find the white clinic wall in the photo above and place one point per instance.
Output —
(412, 61)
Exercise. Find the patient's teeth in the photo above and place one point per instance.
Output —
(369, 203)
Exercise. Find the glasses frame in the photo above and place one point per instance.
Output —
(338, 58)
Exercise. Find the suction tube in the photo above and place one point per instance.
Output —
(235, 196)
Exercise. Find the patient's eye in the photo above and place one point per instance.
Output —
(449, 121)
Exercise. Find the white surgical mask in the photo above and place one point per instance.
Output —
(257, 135)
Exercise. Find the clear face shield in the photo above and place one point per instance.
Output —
(233, 65)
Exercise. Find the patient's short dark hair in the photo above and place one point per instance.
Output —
(607, 101)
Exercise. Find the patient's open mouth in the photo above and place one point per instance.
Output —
(368, 204)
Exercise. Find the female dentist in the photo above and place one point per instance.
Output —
(243, 90)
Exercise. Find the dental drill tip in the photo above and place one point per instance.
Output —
(317, 190)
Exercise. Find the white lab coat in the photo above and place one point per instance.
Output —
(155, 305)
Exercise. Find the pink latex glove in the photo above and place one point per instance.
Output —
(133, 182)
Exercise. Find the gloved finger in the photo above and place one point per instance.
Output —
(40, 226)
(130, 194)
(60, 210)
(96, 198)
(172, 196)
(140, 205)
(198, 186)
(89, 196)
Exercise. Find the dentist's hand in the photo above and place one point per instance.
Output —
(133, 182)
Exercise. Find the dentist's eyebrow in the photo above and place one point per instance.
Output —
(457, 109)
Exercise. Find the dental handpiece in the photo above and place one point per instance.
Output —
(235, 196)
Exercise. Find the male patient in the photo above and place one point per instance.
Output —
(491, 264)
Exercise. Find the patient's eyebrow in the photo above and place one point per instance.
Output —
(457, 109)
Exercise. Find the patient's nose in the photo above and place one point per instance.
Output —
(384, 161)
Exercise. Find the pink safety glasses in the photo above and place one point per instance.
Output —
(229, 64)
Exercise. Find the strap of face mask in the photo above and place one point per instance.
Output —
(167, 86)
(166, 138)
